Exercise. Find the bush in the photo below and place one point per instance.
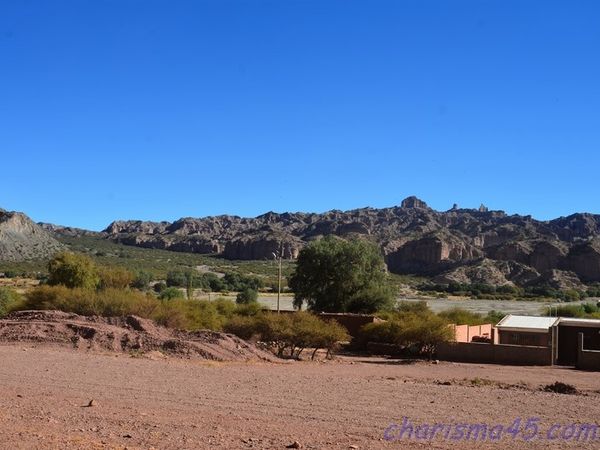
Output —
(371, 299)
(419, 333)
(460, 316)
(171, 293)
(142, 279)
(159, 287)
(494, 316)
(73, 271)
(108, 302)
(289, 332)
(246, 296)
(114, 278)
(8, 299)
(585, 310)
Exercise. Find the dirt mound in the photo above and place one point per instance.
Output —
(125, 334)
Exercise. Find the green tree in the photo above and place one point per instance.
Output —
(334, 275)
(73, 270)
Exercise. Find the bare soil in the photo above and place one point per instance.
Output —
(175, 403)
(130, 334)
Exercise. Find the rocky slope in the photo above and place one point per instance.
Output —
(455, 245)
(22, 239)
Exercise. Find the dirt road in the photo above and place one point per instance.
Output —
(180, 404)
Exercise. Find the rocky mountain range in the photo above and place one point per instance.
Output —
(462, 245)
(22, 239)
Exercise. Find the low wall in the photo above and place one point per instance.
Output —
(495, 354)
(466, 333)
(587, 359)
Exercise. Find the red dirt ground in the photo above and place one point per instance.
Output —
(176, 403)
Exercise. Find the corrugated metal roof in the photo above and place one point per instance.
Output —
(529, 323)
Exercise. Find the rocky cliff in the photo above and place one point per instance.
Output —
(22, 239)
(458, 244)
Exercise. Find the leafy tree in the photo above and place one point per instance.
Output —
(248, 295)
(73, 270)
(334, 275)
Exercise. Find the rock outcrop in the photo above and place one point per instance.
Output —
(467, 244)
(22, 239)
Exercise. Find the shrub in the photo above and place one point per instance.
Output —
(159, 287)
(589, 310)
(460, 316)
(114, 278)
(494, 316)
(420, 333)
(371, 299)
(289, 332)
(245, 327)
(142, 279)
(190, 315)
(171, 293)
(8, 299)
(246, 296)
(108, 302)
(73, 271)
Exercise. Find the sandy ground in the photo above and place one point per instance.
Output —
(183, 404)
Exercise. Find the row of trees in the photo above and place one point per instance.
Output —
(488, 291)
(231, 281)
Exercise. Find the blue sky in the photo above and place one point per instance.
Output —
(156, 110)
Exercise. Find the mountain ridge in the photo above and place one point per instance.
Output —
(457, 245)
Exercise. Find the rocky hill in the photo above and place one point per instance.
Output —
(466, 245)
(22, 239)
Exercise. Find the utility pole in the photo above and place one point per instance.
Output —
(279, 281)
(279, 255)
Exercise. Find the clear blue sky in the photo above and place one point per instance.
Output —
(155, 110)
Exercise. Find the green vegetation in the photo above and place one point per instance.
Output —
(585, 310)
(231, 281)
(416, 330)
(170, 293)
(334, 275)
(247, 295)
(8, 300)
(73, 271)
(289, 332)
(460, 316)
(157, 263)
(506, 292)
(412, 327)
